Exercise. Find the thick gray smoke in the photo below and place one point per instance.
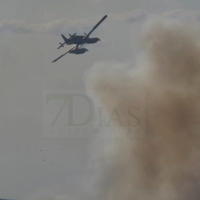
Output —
(164, 163)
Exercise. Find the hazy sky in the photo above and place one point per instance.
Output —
(29, 36)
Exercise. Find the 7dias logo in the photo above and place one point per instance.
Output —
(74, 113)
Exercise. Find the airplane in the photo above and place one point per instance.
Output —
(81, 39)
(73, 50)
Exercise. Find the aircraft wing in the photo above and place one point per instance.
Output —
(64, 53)
(96, 26)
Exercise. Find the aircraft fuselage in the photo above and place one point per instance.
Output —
(80, 40)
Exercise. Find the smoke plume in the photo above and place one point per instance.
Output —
(163, 162)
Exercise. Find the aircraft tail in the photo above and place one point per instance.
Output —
(65, 39)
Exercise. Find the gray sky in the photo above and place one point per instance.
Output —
(30, 33)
